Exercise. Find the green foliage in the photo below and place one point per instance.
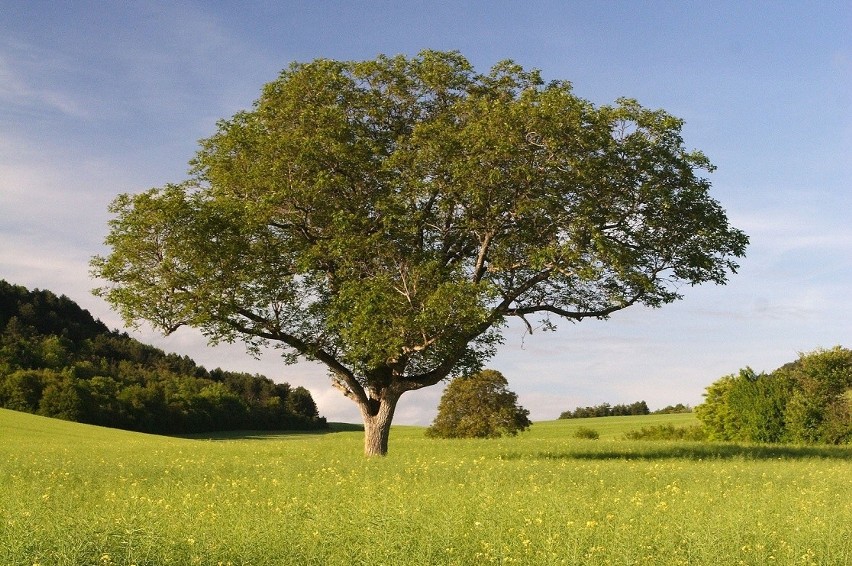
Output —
(300, 402)
(479, 405)
(57, 361)
(586, 432)
(22, 390)
(607, 410)
(24, 312)
(385, 217)
(715, 413)
(804, 401)
(760, 402)
(747, 406)
(820, 408)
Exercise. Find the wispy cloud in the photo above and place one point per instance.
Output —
(19, 89)
(795, 226)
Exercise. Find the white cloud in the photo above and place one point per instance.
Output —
(52, 201)
(785, 230)
(19, 91)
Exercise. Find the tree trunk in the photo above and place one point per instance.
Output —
(377, 415)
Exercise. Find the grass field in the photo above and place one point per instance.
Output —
(73, 494)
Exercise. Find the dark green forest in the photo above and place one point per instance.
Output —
(58, 361)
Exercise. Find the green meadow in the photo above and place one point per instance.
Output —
(73, 494)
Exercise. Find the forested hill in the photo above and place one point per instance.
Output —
(45, 314)
(57, 360)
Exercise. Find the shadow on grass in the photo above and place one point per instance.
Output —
(694, 451)
(272, 434)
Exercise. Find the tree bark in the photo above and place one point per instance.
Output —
(377, 415)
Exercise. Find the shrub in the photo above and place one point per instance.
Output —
(586, 432)
(819, 408)
(807, 401)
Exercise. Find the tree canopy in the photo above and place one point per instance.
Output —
(386, 218)
(479, 405)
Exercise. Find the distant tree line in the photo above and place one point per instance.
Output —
(673, 409)
(607, 410)
(806, 401)
(637, 408)
(58, 361)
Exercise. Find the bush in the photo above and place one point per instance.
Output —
(586, 432)
(807, 401)
(821, 403)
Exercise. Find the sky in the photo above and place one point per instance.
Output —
(103, 98)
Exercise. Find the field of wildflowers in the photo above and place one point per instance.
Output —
(72, 494)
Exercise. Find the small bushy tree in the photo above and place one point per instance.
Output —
(759, 401)
(587, 433)
(715, 412)
(300, 402)
(479, 405)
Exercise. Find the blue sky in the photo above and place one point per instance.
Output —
(100, 98)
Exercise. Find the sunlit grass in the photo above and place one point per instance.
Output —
(609, 428)
(72, 494)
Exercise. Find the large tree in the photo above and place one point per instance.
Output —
(386, 217)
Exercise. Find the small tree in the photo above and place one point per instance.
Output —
(385, 218)
(479, 405)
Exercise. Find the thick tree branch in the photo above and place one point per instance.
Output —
(513, 294)
(575, 315)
